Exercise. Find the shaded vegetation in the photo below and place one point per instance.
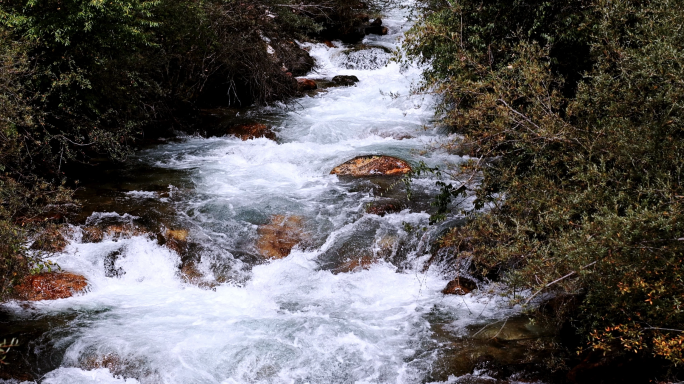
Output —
(575, 112)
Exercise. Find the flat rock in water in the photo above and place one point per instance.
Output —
(252, 131)
(50, 286)
(279, 236)
(372, 166)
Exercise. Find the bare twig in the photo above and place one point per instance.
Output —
(555, 281)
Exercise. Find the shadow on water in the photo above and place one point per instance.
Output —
(43, 339)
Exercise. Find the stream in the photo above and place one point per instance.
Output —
(315, 316)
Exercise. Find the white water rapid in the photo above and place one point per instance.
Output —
(292, 320)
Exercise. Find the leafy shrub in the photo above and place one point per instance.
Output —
(575, 108)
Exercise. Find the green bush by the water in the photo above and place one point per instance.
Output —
(575, 108)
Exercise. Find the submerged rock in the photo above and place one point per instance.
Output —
(252, 131)
(459, 286)
(306, 84)
(372, 166)
(279, 236)
(345, 80)
(383, 209)
(356, 264)
(50, 286)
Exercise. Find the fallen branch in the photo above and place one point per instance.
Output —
(555, 281)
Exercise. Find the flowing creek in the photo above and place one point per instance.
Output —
(232, 316)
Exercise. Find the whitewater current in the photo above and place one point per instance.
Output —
(292, 320)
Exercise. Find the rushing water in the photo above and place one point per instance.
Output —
(293, 320)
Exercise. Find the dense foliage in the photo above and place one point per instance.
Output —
(575, 110)
(87, 78)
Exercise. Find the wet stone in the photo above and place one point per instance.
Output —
(50, 286)
(383, 209)
(306, 84)
(345, 80)
(278, 237)
(372, 165)
(356, 264)
(460, 286)
(251, 131)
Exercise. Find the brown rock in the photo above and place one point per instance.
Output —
(356, 264)
(124, 231)
(306, 84)
(277, 238)
(50, 286)
(176, 240)
(110, 361)
(377, 22)
(92, 234)
(95, 234)
(382, 209)
(252, 131)
(190, 274)
(329, 44)
(372, 166)
(459, 286)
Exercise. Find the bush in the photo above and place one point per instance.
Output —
(576, 110)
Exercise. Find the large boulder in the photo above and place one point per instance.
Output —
(50, 286)
(372, 166)
(252, 131)
(278, 237)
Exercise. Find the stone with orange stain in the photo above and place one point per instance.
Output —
(372, 166)
(306, 84)
(329, 44)
(252, 131)
(50, 286)
(278, 237)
